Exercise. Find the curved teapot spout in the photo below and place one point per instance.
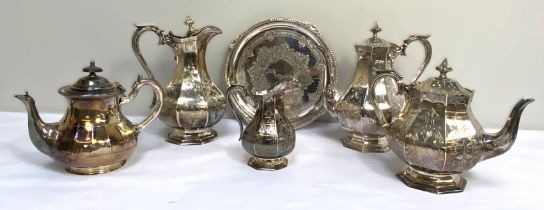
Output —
(43, 135)
(500, 142)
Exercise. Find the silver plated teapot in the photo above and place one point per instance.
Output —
(192, 102)
(437, 135)
(269, 136)
(94, 136)
(354, 110)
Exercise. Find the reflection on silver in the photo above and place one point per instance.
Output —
(437, 135)
(354, 110)
(278, 50)
(192, 103)
(269, 136)
(93, 137)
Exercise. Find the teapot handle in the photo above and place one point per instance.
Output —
(401, 88)
(136, 86)
(423, 39)
(231, 103)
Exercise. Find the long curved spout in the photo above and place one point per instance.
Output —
(43, 135)
(205, 35)
(500, 142)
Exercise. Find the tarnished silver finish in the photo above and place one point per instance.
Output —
(94, 137)
(437, 135)
(279, 50)
(192, 102)
(269, 136)
(354, 110)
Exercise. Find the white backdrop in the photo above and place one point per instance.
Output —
(495, 47)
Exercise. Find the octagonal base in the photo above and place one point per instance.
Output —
(375, 143)
(182, 137)
(439, 183)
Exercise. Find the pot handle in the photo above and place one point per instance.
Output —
(401, 88)
(163, 39)
(141, 29)
(136, 86)
(231, 103)
(423, 39)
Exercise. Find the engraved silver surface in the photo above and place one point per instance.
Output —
(437, 134)
(354, 110)
(192, 102)
(268, 136)
(94, 136)
(279, 50)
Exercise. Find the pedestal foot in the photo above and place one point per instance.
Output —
(181, 137)
(439, 183)
(95, 170)
(376, 143)
(267, 164)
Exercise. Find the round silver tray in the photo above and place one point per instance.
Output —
(274, 50)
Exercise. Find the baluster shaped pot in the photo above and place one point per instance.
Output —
(269, 136)
(94, 136)
(354, 110)
(192, 102)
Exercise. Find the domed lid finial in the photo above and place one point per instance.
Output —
(92, 69)
(189, 22)
(91, 85)
(444, 68)
(376, 30)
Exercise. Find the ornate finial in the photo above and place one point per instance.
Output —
(444, 68)
(92, 68)
(376, 30)
(189, 22)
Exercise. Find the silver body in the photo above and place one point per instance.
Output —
(354, 109)
(437, 135)
(269, 136)
(192, 102)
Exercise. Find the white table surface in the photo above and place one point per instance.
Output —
(322, 174)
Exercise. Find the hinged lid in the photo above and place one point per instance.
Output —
(91, 85)
(375, 41)
(442, 89)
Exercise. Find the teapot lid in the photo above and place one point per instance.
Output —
(375, 41)
(91, 85)
(442, 89)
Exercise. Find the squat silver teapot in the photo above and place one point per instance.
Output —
(437, 135)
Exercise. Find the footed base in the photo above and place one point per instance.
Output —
(439, 183)
(376, 143)
(180, 137)
(95, 170)
(267, 164)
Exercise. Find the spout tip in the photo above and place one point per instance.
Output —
(526, 101)
(212, 30)
(23, 96)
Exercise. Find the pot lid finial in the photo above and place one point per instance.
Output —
(444, 68)
(375, 30)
